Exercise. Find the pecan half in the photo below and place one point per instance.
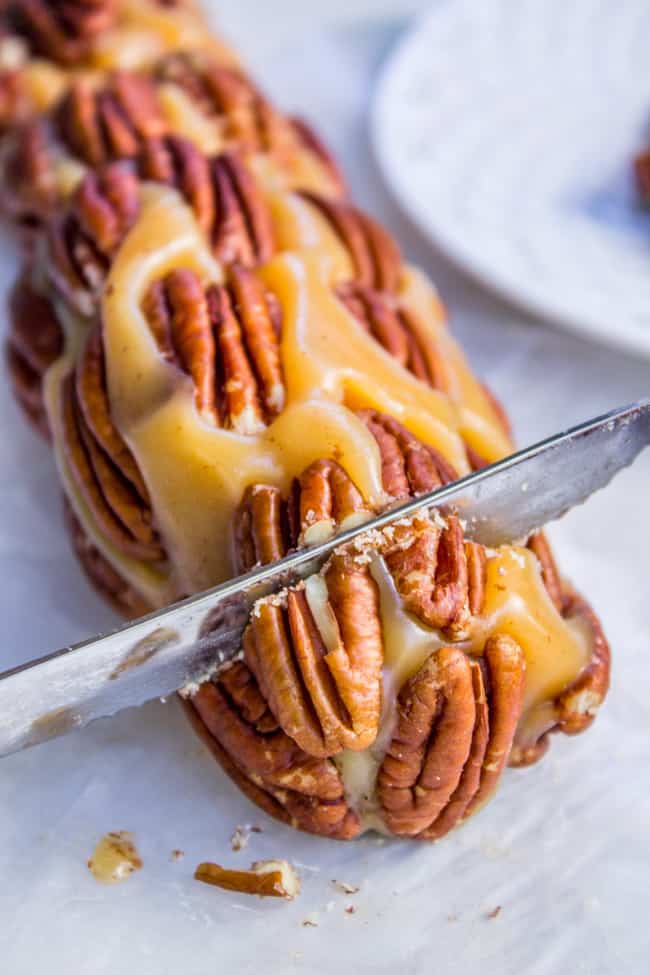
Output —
(232, 718)
(101, 464)
(440, 576)
(318, 659)
(456, 722)
(375, 257)
(100, 125)
(381, 315)
(34, 343)
(642, 176)
(103, 577)
(228, 205)
(249, 122)
(310, 139)
(84, 238)
(29, 192)
(226, 339)
(409, 467)
(62, 29)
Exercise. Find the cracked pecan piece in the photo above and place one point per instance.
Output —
(61, 29)
(34, 343)
(375, 257)
(455, 726)
(227, 339)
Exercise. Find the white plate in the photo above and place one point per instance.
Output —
(506, 130)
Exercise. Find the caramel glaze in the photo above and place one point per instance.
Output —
(196, 472)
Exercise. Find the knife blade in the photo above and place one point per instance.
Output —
(173, 649)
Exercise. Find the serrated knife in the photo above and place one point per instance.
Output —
(166, 650)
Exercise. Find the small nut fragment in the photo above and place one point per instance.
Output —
(266, 878)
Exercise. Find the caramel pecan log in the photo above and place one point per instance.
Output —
(100, 125)
(85, 236)
(226, 339)
(34, 342)
(234, 721)
(375, 257)
(455, 726)
(61, 29)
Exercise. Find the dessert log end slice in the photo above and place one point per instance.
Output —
(231, 360)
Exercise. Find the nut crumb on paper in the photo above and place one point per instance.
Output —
(345, 887)
(494, 913)
(311, 921)
(176, 855)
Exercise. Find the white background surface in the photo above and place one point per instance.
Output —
(563, 849)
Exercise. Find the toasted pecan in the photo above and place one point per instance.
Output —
(249, 122)
(233, 719)
(226, 339)
(394, 327)
(100, 125)
(62, 29)
(84, 237)
(101, 574)
(34, 342)
(456, 722)
(375, 257)
(430, 565)
(409, 467)
(323, 688)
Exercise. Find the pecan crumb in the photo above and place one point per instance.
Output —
(176, 855)
(493, 913)
(240, 837)
(345, 887)
(350, 909)
(310, 921)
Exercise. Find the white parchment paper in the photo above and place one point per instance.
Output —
(564, 849)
